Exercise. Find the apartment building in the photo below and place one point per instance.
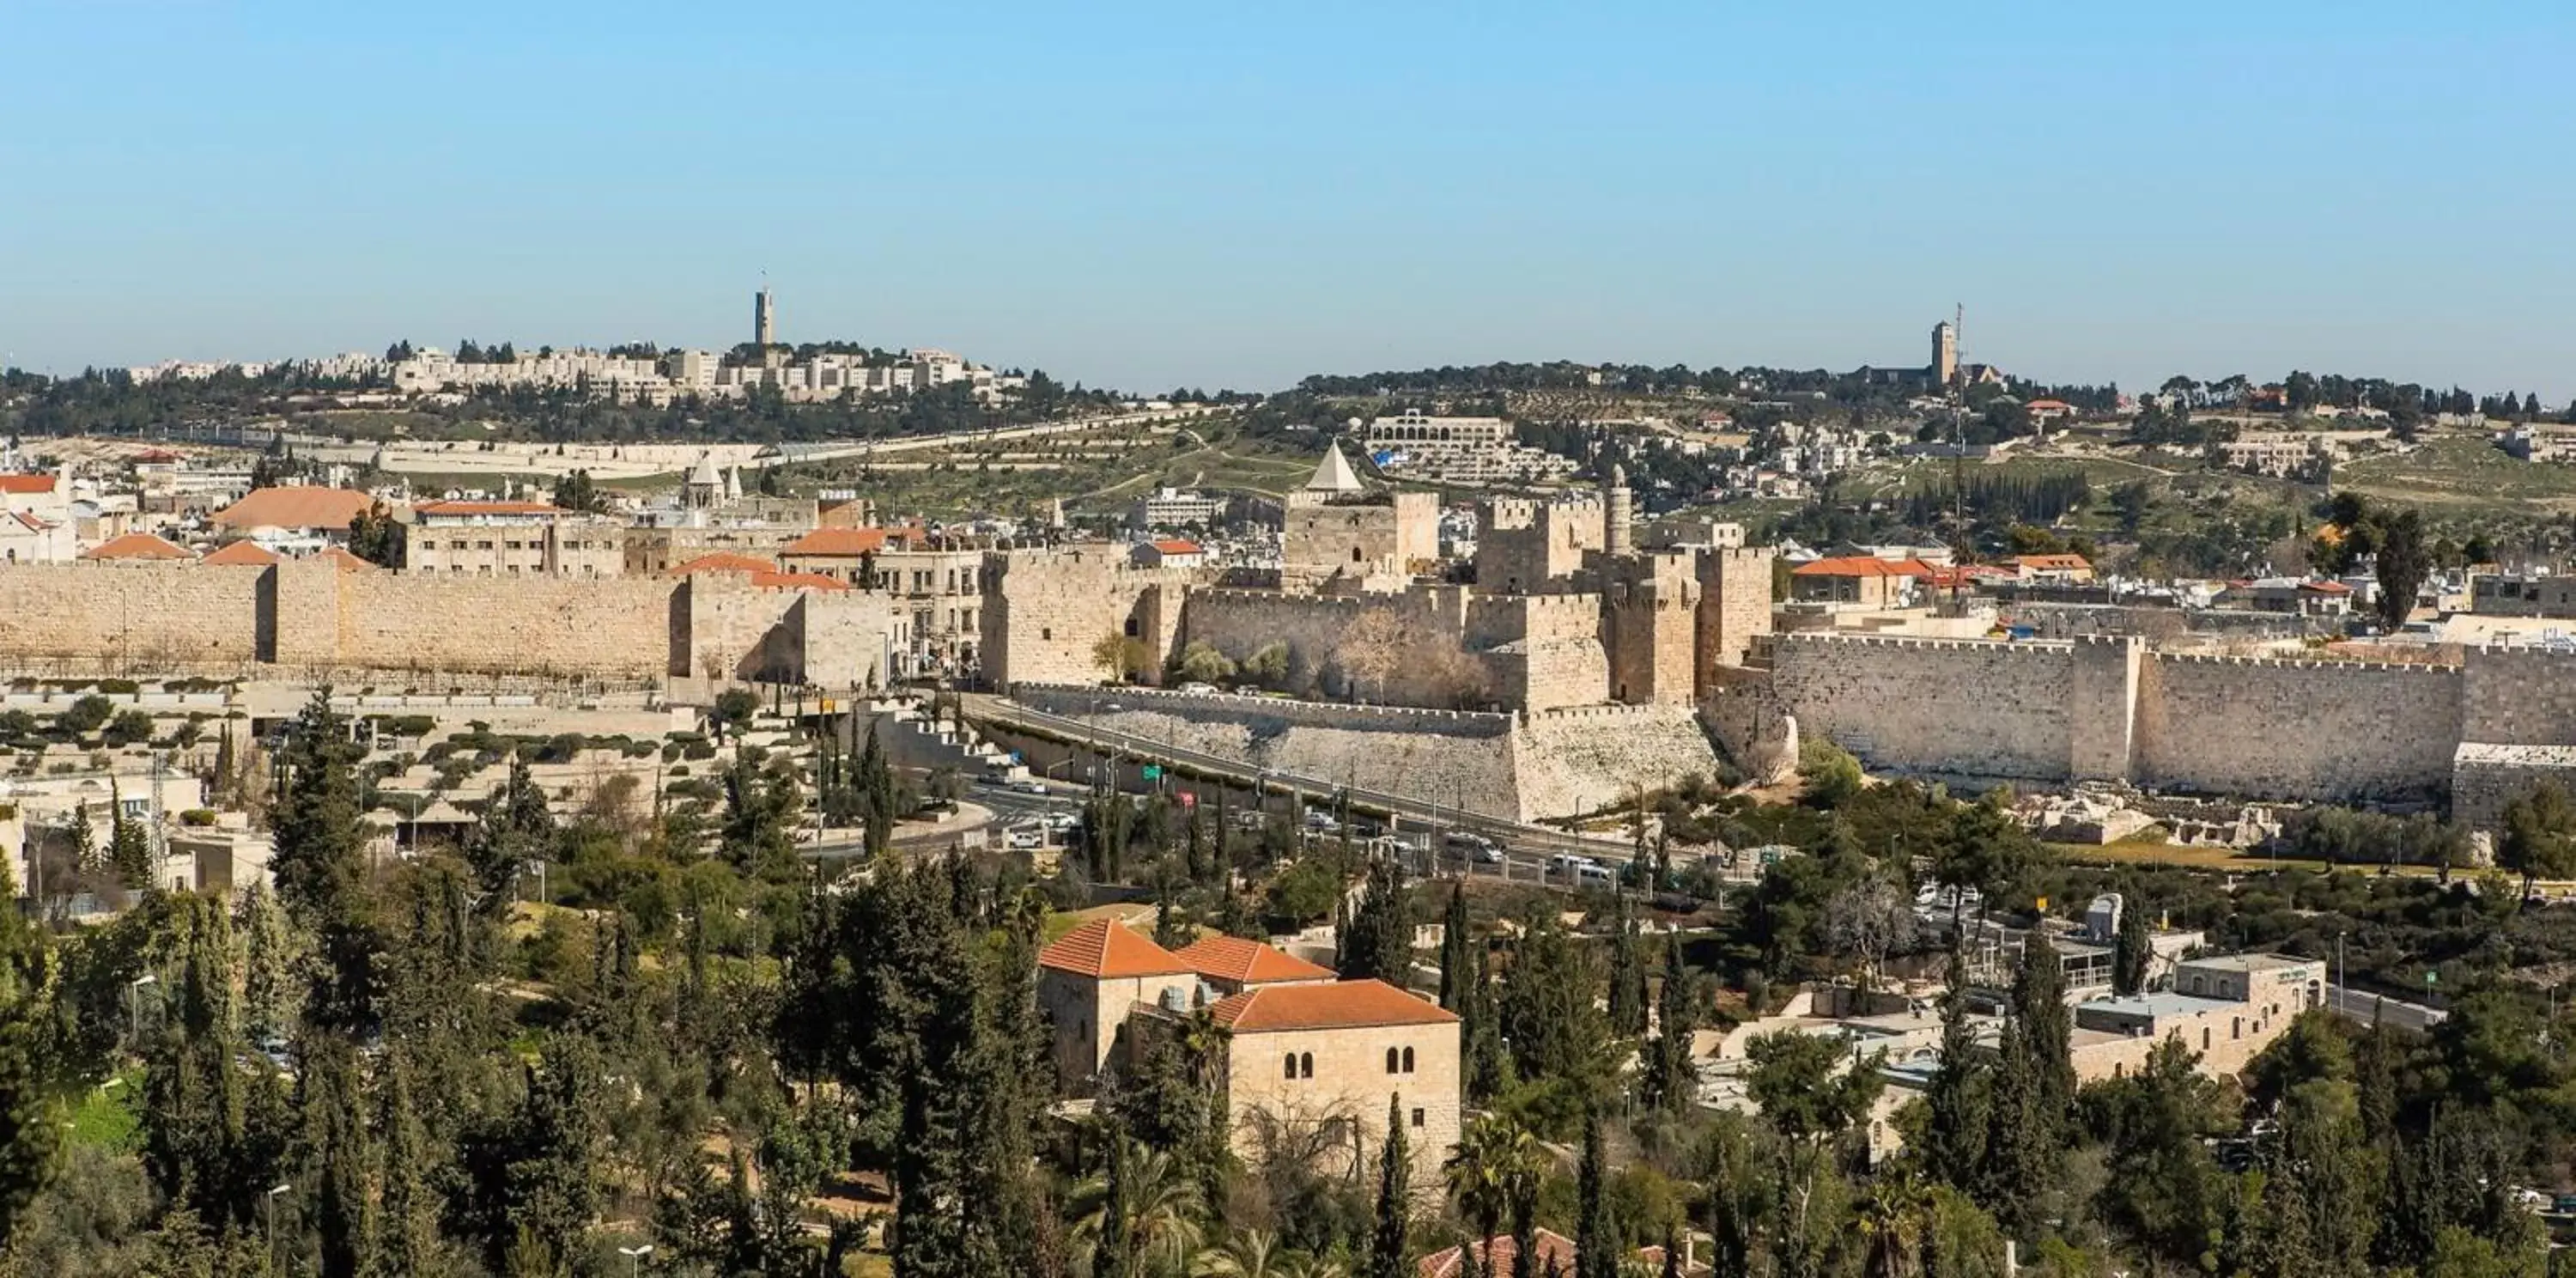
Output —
(512, 539)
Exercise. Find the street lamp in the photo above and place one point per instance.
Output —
(270, 1203)
(134, 1005)
(635, 1257)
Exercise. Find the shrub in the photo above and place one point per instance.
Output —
(87, 715)
(128, 727)
(197, 818)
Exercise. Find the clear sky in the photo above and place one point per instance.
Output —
(1144, 195)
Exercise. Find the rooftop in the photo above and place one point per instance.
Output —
(1338, 1005)
(2250, 962)
(138, 546)
(243, 553)
(469, 509)
(1863, 566)
(838, 541)
(1176, 546)
(724, 561)
(28, 484)
(295, 506)
(1232, 958)
(1104, 949)
(2157, 1005)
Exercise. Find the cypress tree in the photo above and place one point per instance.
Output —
(129, 846)
(2039, 1006)
(1488, 1065)
(1394, 1199)
(1596, 1244)
(2131, 949)
(1627, 981)
(1672, 1078)
(409, 1234)
(27, 1131)
(1960, 1096)
(337, 1130)
(1453, 950)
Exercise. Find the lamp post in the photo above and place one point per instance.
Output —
(269, 1202)
(134, 1006)
(635, 1257)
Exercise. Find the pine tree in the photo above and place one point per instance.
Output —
(1596, 1243)
(84, 838)
(27, 1130)
(1378, 943)
(319, 864)
(1387, 1243)
(196, 1140)
(129, 846)
(1453, 950)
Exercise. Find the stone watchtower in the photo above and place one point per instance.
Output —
(1617, 519)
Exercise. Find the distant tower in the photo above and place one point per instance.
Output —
(764, 317)
(1615, 517)
(1945, 353)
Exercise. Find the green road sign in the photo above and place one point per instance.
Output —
(1153, 772)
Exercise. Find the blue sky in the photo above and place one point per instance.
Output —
(1144, 195)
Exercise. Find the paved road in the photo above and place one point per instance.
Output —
(1522, 839)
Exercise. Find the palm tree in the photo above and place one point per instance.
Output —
(1140, 1213)
(1498, 1167)
(1892, 1220)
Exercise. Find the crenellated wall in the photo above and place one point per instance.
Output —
(2106, 708)
(313, 614)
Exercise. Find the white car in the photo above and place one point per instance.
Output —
(1198, 689)
(1024, 840)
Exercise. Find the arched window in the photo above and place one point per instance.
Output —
(1292, 1066)
(1306, 1065)
(1390, 1060)
(1408, 1060)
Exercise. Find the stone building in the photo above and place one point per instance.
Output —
(511, 539)
(1302, 1049)
(2227, 1009)
(1335, 527)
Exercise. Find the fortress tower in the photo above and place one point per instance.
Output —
(764, 317)
(1617, 526)
(1945, 354)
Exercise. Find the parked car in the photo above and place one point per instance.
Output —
(1469, 845)
(1024, 839)
(1198, 689)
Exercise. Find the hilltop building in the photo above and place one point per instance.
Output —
(1301, 1047)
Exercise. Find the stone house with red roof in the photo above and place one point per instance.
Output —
(1306, 1056)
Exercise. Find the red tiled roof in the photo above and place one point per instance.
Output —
(344, 560)
(1104, 949)
(838, 541)
(138, 546)
(1553, 1251)
(1232, 958)
(772, 580)
(2326, 587)
(295, 506)
(27, 484)
(1340, 1005)
(1863, 566)
(1176, 546)
(488, 508)
(241, 552)
(30, 522)
(2051, 561)
(724, 561)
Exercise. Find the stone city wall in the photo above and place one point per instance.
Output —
(2518, 696)
(2270, 728)
(1044, 611)
(1530, 767)
(2485, 778)
(2107, 708)
(314, 615)
(1956, 706)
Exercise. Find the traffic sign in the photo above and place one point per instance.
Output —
(1153, 772)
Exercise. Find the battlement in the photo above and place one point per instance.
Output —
(1925, 643)
(2301, 663)
(1081, 700)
